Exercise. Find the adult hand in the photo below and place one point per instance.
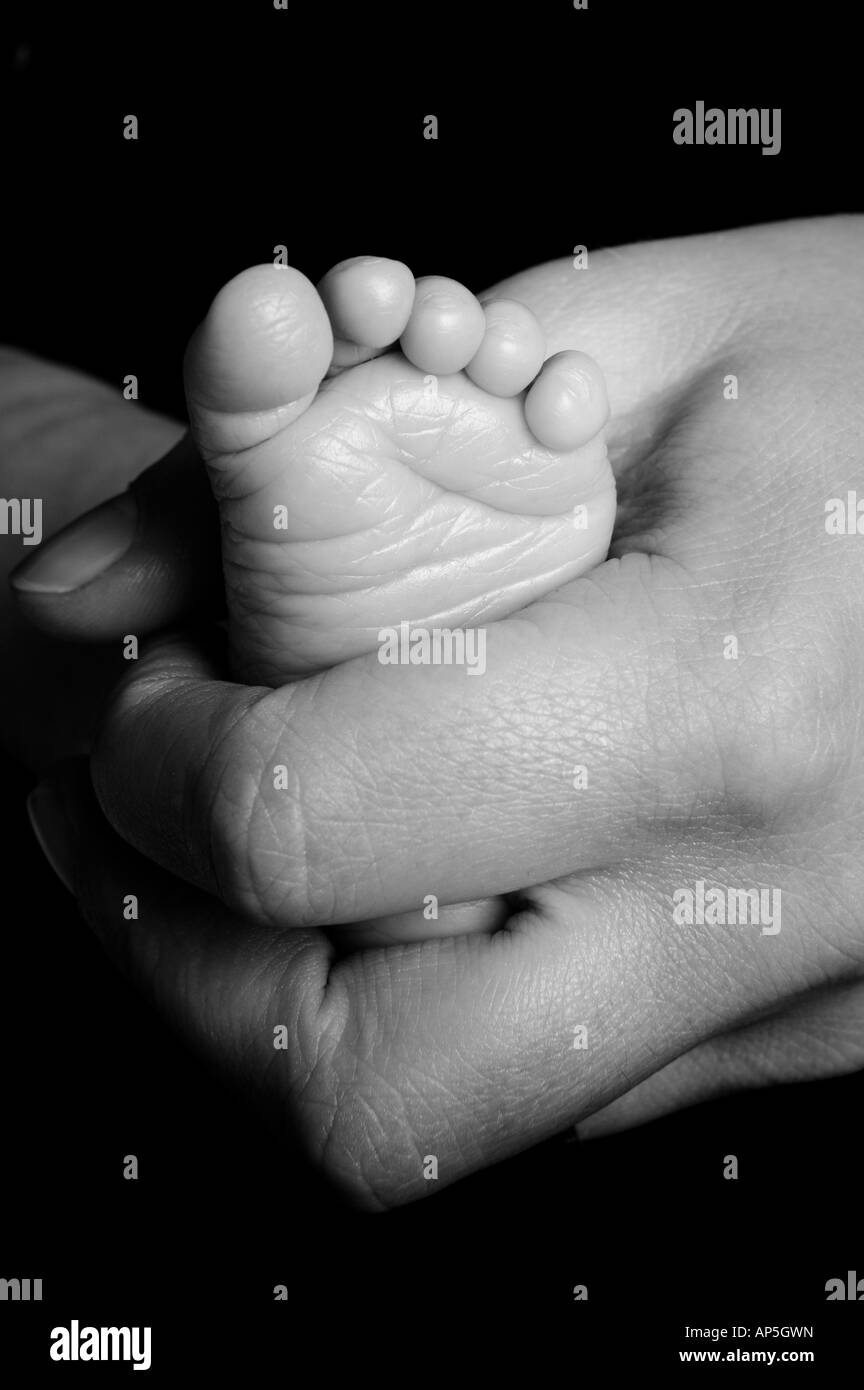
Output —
(688, 713)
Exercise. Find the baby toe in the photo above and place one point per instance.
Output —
(567, 404)
(264, 343)
(369, 301)
(446, 326)
(512, 351)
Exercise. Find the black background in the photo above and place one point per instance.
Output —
(259, 128)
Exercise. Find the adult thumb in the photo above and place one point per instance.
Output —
(144, 560)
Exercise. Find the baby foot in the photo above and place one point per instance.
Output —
(359, 490)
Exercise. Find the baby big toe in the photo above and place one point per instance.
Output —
(264, 346)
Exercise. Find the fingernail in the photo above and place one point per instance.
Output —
(81, 551)
(53, 831)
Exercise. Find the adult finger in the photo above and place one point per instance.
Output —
(820, 1036)
(462, 1051)
(141, 561)
(376, 789)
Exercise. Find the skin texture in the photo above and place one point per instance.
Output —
(744, 772)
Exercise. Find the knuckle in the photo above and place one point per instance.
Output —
(368, 1151)
(125, 730)
(266, 847)
(782, 736)
(354, 1109)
